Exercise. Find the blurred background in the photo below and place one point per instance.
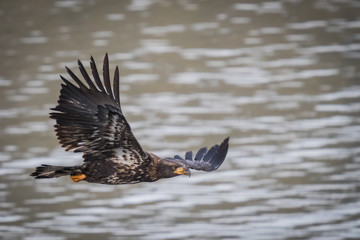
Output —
(281, 78)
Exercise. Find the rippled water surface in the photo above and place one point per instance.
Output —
(281, 78)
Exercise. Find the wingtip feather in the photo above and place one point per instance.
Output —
(208, 160)
(106, 76)
(221, 153)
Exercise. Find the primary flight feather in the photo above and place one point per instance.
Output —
(89, 119)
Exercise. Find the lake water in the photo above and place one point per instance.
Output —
(281, 78)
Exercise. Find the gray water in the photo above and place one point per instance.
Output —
(281, 78)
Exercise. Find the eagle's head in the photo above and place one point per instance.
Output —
(169, 167)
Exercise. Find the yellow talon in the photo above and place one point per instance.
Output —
(78, 177)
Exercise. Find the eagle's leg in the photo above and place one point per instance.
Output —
(77, 177)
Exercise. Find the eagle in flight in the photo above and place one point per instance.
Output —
(89, 119)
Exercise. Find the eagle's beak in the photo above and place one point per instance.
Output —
(183, 171)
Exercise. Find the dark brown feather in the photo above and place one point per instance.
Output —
(106, 76)
(95, 74)
(90, 120)
(86, 76)
(116, 86)
(76, 79)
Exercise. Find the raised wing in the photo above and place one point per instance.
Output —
(89, 118)
(205, 160)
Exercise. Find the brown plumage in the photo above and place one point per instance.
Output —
(89, 120)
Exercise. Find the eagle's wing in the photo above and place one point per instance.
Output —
(205, 160)
(89, 118)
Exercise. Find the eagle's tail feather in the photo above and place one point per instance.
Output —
(50, 171)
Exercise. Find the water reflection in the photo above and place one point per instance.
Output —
(281, 78)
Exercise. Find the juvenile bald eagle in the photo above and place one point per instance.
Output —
(89, 120)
